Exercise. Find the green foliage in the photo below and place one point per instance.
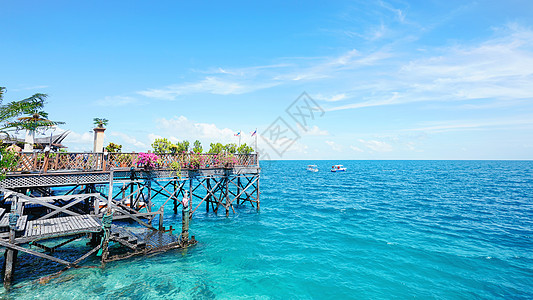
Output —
(161, 146)
(197, 147)
(183, 146)
(32, 107)
(112, 147)
(245, 149)
(174, 149)
(216, 148)
(9, 161)
(175, 168)
(100, 122)
(230, 148)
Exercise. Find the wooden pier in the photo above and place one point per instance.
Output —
(59, 198)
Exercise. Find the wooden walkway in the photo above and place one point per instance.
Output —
(56, 227)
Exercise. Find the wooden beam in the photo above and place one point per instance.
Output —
(35, 253)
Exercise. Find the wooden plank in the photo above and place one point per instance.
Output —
(76, 223)
(35, 253)
(4, 222)
(2, 211)
(21, 224)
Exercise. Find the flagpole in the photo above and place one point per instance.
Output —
(256, 140)
(240, 133)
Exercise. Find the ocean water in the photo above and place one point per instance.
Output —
(381, 230)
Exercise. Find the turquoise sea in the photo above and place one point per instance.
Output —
(381, 230)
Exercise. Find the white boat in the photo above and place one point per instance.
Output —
(312, 168)
(338, 168)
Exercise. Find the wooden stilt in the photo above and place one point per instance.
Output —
(208, 199)
(186, 210)
(238, 190)
(191, 190)
(11, 254)
(175, 196)
(226, 205)
(258, 193)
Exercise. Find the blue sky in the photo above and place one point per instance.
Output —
(383, 79)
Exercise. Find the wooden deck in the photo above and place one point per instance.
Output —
(57, 227)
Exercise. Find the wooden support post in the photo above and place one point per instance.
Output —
(132, 179)
(185, 215)
(258, 193)
(208, 199)
(110, 195)
(190, 190)
(175, 197)
(106, 226)
(11, 254)
(226, 195)
(238, 190)
(149, 193)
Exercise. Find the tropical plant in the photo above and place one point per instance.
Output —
(8, 161)
(197, 147)
(230, 148)
(183, 146)
(175, 167)
(245, 149)
(113, 148)
(228, 160)
(147, 160)
(216, 148)
(100, 122)
(161, 146)
(32, 107)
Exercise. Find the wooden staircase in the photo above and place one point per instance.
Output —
(126, 238)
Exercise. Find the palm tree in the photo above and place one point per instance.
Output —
(100, 123)
(10, 111)
(34, 120)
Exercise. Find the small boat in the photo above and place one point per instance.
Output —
(312, 168)
(338, 168)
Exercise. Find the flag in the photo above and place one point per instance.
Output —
(237, 134)
(254, 133)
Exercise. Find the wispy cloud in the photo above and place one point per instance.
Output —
(228, 81)
(357, 149)
(114, 101)
(334, 146)
(375, 145)
(181, 128)
(130, 142)
(29, 88)
(311, 131)
(208, 85)
(332, 98)
(500, 68)
(462, 125)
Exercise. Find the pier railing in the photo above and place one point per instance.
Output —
(76, 161)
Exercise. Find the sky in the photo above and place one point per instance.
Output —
(337, 80)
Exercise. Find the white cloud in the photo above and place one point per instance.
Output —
(116, 101)
(311, 131)
(128, 141)
(210, 85)
(354, 148)
(377, 146)
(227, 81)
(182, 128)
(36, 87)
(77, 142)
(500, 68)
(461, 125)
(334, 146)
(332, 98)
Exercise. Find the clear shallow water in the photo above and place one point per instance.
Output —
(384, 229)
